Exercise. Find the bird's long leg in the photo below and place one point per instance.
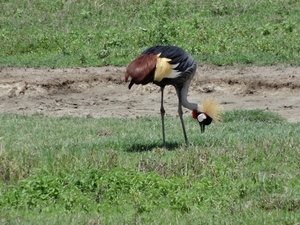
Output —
(180, 113)
(162, 113)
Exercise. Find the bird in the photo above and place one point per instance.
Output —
(171, 65)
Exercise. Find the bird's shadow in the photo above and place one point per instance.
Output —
(137, 147)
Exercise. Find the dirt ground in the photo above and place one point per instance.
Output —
(101, 92)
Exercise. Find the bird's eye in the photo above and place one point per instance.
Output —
(201, 117)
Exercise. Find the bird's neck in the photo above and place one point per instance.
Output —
(189, 105)
(185, 103)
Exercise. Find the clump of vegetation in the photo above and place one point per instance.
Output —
(95, 33)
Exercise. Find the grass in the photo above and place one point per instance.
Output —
(111, 171)
(63, 33)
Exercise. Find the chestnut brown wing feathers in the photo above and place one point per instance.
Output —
(141, 70)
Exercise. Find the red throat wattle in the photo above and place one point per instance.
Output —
(194, 114)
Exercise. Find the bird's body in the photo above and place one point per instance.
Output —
(166, 65)
(162, 65)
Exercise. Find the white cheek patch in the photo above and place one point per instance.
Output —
(201, 117)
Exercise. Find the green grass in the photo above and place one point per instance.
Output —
(59, 33)
(114, 171)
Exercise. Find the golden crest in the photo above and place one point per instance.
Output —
(213, 109)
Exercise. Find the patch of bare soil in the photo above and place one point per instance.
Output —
(101, 92)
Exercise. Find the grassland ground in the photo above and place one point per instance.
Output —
(96, 156)
(101, 92)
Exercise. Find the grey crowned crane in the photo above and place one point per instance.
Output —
(171, 65)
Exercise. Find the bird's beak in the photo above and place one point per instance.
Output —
(202, 127)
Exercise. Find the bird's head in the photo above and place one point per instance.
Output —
(211, 110)
(202, 118)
